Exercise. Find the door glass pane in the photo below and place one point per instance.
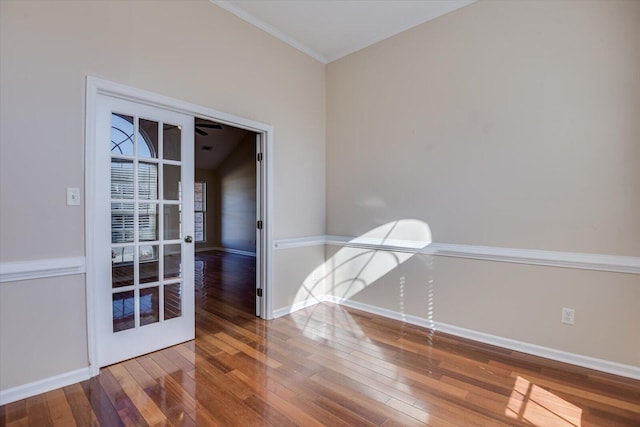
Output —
(121, 267)
(148, 142)
(148, 181)
(121, 222)
(121, 134)
(171, 142)
(171, 222)
(148, 221)
(172, 301)
(172, 261)
(123, 311)
(121, 179)
(149, 263)
(149, 302)
(171, 182)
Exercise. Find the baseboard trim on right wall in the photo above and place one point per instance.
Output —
(602, 365)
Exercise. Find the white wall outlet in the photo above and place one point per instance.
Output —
(73, 197)
(568, 316)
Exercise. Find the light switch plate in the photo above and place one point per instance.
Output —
(73, 197)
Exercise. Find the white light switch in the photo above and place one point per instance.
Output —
(73, 197)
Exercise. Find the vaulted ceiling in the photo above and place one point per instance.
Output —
(330, 29)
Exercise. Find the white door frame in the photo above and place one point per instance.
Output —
(95, 87)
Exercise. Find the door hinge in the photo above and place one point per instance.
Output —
(259, 157)
(259, 225)
(259, 292)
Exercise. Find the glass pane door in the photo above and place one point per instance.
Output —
(149, 196)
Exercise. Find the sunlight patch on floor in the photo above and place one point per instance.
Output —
(533, 404)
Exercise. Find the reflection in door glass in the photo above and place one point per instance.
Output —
(171, 181)
(171, 142)
(148, 222)
(122, 222)
(122, 267)
(147, 181)
(121, 179)
(123, 311)
(172, 261)
(172, 301)
(121, 134)
(148, 143)
(149, 306)
(171, 222)
(149, 263)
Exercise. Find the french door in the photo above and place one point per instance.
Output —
(144, 223)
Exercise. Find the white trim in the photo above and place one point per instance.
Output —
(14, 394)
(236, 251)
(623, 370)
(229, 250)
(379, 243)
(96, 86)
(41, 268)
(244, 15)
(207, 249)
(445, 8)
(300, 242)
(298, 306)
(582, 261)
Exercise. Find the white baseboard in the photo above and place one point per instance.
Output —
(42, 386)
(206, 249)
(615, 368)
(297, 306)
(235, 251)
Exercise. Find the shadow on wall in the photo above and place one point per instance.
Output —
(366, 259)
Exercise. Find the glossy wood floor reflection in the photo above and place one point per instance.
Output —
(327, 365)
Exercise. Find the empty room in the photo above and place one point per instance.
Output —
(376, 213)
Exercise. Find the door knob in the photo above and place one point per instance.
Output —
(188, 239)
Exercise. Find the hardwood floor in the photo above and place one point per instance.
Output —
(326, 365)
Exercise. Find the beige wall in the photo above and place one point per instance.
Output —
(511, 124)
(190, 50)
(504, 123)
(43, 329)
(237, 181)
(231, 199)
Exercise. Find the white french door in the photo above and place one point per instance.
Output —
(144, 222)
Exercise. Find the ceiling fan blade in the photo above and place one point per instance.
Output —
(209, 125)
(201, 132)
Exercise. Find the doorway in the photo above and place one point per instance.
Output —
(227, 179)
(137, 253)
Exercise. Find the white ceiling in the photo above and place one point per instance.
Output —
(330, 29)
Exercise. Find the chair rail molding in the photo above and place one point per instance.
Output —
(583, 261)
(13, 271)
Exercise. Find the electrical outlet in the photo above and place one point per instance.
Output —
(73, 197)
(568, 316)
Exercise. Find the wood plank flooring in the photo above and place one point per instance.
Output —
(326, 366)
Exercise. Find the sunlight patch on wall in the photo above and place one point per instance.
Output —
(366, 259)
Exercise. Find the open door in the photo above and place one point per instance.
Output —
(144, 223)
(260, 295)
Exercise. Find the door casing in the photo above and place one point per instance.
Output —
(96, 87)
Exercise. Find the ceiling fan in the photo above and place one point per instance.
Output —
(206, 126)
